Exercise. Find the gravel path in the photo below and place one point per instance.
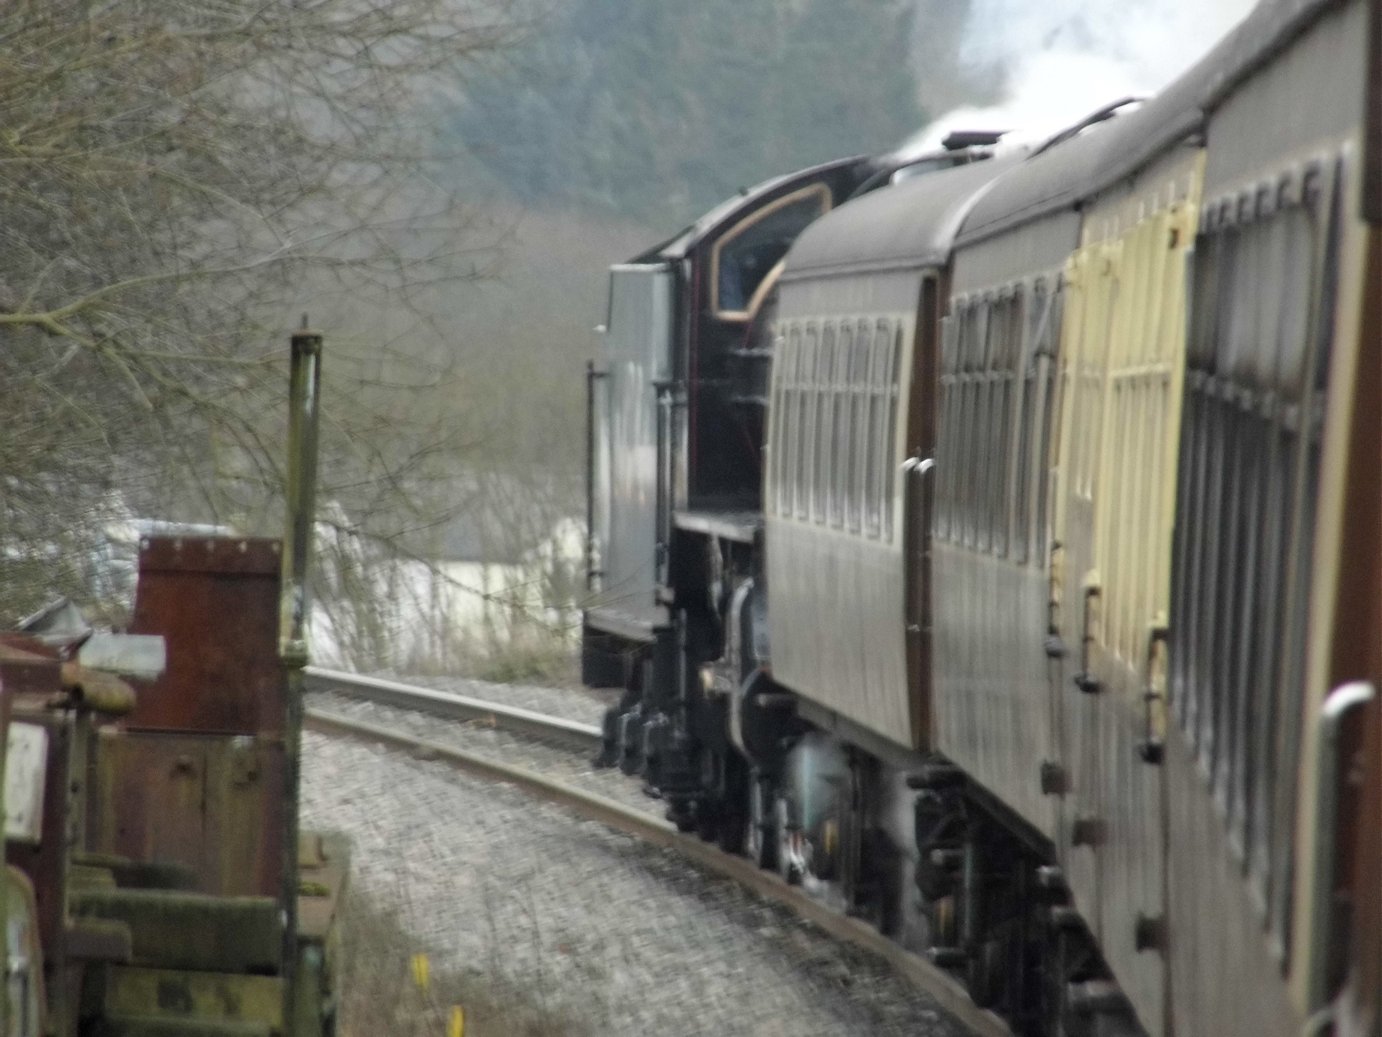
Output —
(590, 927)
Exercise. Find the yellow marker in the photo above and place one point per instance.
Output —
(457, 1027)
(421, 971)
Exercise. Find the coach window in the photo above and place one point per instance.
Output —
(741, 261)
(840, 415)
(947, 458)
(781, 351)
(786, 363)
(1047, 348)
(889, 460)
(825, 373)
(807, 446)
(950, 446)
(996, 375)
(840, 472)
(963, 474)
(774, 482)
(1006, 363)
(877, 434)
(860, 454)
(990, 378)
(974, 418)
(794, 421)
(806, 373)
(1030, 387)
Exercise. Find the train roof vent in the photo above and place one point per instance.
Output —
(1094, 118)
(956, 140)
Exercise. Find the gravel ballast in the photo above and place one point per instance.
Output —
(588, 926)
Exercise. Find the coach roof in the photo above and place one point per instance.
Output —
(1066, 173)
(846, 170)
(910, 224)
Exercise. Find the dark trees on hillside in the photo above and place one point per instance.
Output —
(660, 110)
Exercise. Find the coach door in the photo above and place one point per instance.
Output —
(918, 473)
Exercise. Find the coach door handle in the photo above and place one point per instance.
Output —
(920, 465)
(1154, 697)
(1084, 679)
(1338, 708)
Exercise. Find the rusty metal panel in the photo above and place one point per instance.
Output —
(197, 997)
(211, 804)
(27, 667)
(216, 600)
(45, 862)
(324, 870)
(26, 766)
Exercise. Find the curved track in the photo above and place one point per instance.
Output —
(585, 737)
(948, 994)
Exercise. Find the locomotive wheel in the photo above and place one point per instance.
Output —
(761, 832)
(707, 820)
(681, 816)
(985, 974)
(734, 808)
(733, 830)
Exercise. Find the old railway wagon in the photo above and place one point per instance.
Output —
(151, 891)
(1044, 630)
(157, 884)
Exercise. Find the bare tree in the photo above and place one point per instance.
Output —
(176, 177)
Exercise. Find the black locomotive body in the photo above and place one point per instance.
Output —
(1026, 634)
(676, 470)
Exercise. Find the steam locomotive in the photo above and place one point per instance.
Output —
(993, 543)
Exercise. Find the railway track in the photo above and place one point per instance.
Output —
(449, 706)
(948, 994)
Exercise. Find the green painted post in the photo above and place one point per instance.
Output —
(305, 406)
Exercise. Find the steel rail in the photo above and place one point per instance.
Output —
(584, 737)
(944, 989)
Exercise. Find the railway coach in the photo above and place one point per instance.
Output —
(1052, 644)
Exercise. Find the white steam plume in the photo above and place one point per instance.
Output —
(1061, 59)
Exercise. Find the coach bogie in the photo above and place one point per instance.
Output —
(762, 836)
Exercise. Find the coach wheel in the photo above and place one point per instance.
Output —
(761, 831)
(791, 864)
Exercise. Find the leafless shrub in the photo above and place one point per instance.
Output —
(380, 992)
(176, 177)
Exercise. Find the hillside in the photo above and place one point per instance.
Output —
(656, 111)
